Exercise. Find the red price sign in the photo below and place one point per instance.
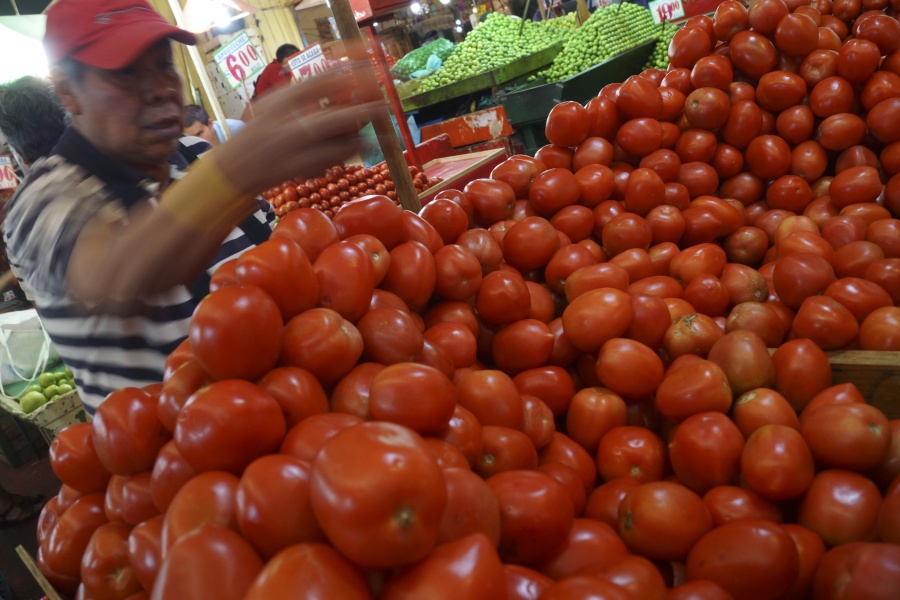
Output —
(308, 62)
(8, 179)
(239, 60)
(666, 10)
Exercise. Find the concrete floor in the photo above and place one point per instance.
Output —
(35, 477)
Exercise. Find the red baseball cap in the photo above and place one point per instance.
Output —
(106, 34)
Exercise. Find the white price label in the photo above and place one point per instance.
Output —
(8, 179)
(308, 62)
(239, 60)
(666, 10)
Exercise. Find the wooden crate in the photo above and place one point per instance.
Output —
(876, 374)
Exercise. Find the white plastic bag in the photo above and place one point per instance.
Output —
(25, 348)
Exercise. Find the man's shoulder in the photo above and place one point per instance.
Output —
(45, 180)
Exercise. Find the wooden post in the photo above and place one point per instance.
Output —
(42, 582)
(582, 11)
(381, 119)
(396, 105)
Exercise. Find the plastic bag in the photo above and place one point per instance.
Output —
(25, 348)
(417, 60)
(434, 63)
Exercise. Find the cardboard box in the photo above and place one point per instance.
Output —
(52, 417)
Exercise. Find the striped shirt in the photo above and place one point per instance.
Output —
(105, 349)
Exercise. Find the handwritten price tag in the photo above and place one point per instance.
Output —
(308, 62)
(8, 179)
(666, 10)
(239, 60)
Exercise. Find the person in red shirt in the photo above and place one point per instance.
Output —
(277, 72)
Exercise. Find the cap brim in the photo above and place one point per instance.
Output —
(126, 43)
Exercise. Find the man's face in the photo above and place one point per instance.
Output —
(134, 114)
(202, 131)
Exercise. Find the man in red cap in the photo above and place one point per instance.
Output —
(111, 243)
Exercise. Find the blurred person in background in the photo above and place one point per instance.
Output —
(114, 245)
(277, 73)
(198, 123)
(31, 119)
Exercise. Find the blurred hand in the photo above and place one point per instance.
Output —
(300, 130)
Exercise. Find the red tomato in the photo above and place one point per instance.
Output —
(145, 550)
(264, 266)
(880, 330)
(297, 391)
(553, 190)
(178, 387)
(688, 46)
(309, 228)
(492, 396)
(705, 451)
(590, 545)
(596, 316)
(777, 463)
(346, 279)
(64, 547)
(585, 587)
(170, 472)
(393, 388)
(322, 342)
(126, 432)
(106, 571)
(630, 451)
(375, 215)
(760, 407)
(810, 548)
(74, 460)
(471, 508)
(227, 425)
(694, 387)
(745, 360)
(846, 436)
(272, 504)
(211, 562)
(316, 568)
(662, 520)
(306, 438)
(523, 583)
(629, 368)
(530, 243)
(469, 566)
(457, 272)
(699, 589)
(378, 254)
(502, 298)
(517, 171)
(397, 523)
(568, 124)
(858, 570)
(691, 333)
(412, 274)
(842, 507)
(389, 336)
(235, 333)
(492, 200)
(753, 53)
(750, 558)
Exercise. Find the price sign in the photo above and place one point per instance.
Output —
(8, 179)
(666, 10)
(239, 60)
(308, 62)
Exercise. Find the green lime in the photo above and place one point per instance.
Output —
(60, 377)
(33, 388)
(51, 390)
(45, 379)
(32, 401)
(64, 388)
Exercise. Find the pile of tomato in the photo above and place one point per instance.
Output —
(339, 185)
(600, 373)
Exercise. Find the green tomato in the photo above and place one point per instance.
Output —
(45, 379)
(33, 388)
(64, 388)
(32, 401)
(51, 390)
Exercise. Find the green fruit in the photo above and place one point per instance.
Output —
(64, 388)
(32, 401)
(69, 373)
(60, 377)
(45, 379)
(51, 390)
(33, 388)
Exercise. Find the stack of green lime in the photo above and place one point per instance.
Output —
(47, 387)
(609, 31)
(660, 57)
(499, 40)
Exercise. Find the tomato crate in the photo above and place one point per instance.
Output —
(875, 373)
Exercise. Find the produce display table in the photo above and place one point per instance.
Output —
(457, 171)
(876, 374)
(483, 81)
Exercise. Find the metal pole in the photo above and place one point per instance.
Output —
(201, 72)
(15, 8)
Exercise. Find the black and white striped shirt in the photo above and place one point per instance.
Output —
(61, 194)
